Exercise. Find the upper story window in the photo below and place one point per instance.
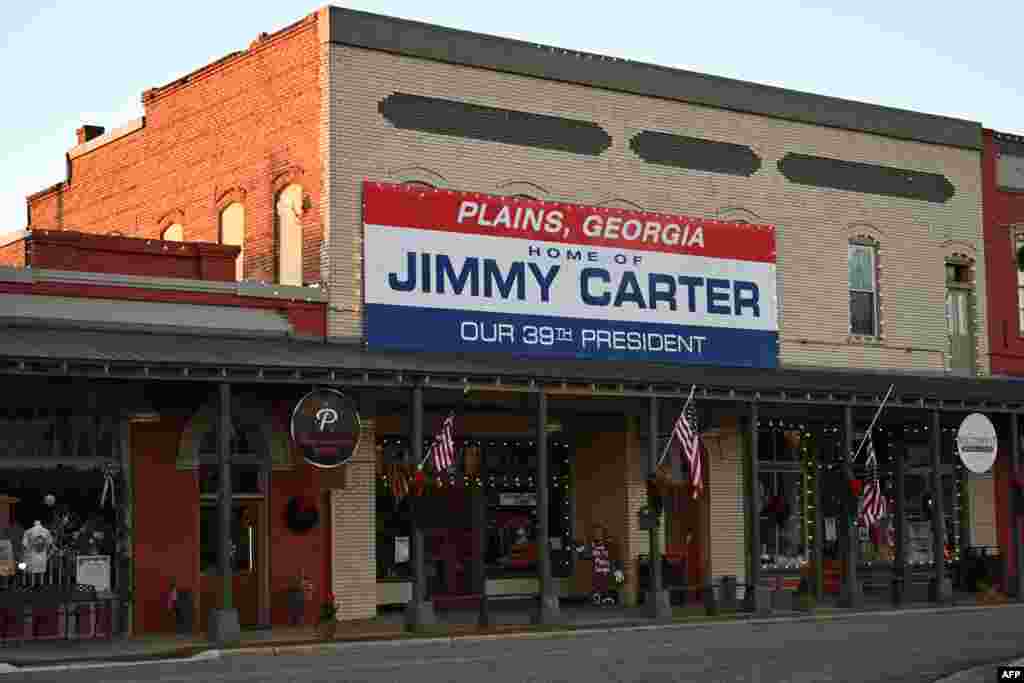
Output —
(289, 236)
(173, 233)
(863, 289)
(232, 231)
(1018, 243)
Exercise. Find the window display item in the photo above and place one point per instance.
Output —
(38, 543)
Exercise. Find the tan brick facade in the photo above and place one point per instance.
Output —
(354, 541)
(814, 225)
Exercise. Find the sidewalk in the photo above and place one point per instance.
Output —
(455, 624)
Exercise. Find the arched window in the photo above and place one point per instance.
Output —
(173, 233)
(232, 231)
(289, 236)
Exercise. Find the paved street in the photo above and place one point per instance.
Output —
(921, 647)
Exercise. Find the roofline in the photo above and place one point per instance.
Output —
(454, 46)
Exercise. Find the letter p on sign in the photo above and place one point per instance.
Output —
(1011, 673)
(326, 416)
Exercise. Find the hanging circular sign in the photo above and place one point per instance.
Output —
(325, 425)
(977, 443)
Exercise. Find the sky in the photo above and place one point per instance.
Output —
(68, 62)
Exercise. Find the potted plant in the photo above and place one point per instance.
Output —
(327, 625)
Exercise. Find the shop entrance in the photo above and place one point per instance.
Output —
(247, 532)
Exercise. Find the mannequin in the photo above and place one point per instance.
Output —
(38, 542)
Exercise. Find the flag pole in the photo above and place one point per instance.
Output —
(878, 412)
(664, 452)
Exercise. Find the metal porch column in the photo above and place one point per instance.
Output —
(819, 525)
(548, 610)
(1015, 546)
(754, 599)
(223, 625)
(899, 588)
(852, 596)
(658, 606)
(939, 593)
(420, 611)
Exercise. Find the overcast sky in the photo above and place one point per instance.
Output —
(68, 62)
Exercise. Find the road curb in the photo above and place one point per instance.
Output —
(569, 631)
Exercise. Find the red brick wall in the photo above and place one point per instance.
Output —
(166, 523)
(13, 254)
(69, 250)
(167, 528)
(1001, 209)
(239, 129)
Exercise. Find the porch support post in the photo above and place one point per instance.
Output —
(484, 616)
(939, 592)
(819, 524)
(752, 600)
(658, 606)
(1015, 546)
(899, 567)
(548, 610)
(223, 626)
(420, 612)
(852, 596)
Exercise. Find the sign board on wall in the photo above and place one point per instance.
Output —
(325, 425)
(977, 443)
(93, 570)
(456, 272)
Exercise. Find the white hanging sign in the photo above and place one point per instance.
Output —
(977, 443)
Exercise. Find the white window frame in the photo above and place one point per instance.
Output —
(873, 249)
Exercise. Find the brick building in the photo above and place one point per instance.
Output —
(1003, 177)
(286, 148)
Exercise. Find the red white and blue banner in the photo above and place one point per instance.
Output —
(461, 272)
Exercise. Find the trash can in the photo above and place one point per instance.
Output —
(183, 612)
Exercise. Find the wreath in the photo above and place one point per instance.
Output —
(302, 514)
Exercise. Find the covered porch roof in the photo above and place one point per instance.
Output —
(27, 348)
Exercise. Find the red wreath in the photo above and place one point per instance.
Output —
(302, 514)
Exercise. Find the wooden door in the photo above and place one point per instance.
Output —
(246, 558)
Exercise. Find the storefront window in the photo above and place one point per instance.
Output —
(61, 514)
(511, 500)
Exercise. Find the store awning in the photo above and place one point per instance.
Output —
(142, 316)
(34, 350)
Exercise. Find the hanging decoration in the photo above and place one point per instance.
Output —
(108, 486)
(302, 514)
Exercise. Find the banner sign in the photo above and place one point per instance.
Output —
(458, 272)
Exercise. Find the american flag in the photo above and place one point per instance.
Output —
(442, 451)
(689, 439)
(873, 502)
